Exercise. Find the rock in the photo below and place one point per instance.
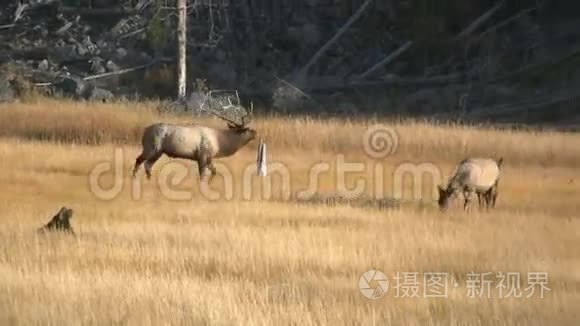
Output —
(81, 50)
(121, 53)
(102, 44)
(143, 4)
(44, 32)
(74, 86)
(64, 29)
(198, 102)
(91, 48)
(80, 89)
(65, 53)
(111, 66)
(144, 57)
(128, 25)
(96, 62)
(287, 99)
(100, 94)
(43, 65)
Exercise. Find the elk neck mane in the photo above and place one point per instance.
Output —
(230, 141)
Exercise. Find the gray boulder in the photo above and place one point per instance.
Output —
(100, 94)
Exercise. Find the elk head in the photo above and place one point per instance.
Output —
(444, 196)
(241, 129)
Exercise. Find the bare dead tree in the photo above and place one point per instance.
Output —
(181, 49)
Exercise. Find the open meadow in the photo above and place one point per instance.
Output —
(165, 251)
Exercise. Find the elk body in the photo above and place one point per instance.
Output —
(197, 143)
(473, 176)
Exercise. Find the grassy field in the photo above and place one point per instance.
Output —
(163, 252)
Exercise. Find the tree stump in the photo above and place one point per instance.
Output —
(60, 222)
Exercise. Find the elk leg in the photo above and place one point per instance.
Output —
(480, 199)
(482, 196)
(211, 167)
(149, 164)
(495, 193)
(140, 159)
(467, 196)
(487, 199)
(202, 163)
(201, 169)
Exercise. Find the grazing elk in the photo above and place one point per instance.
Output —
(197, 143)
(473, 176)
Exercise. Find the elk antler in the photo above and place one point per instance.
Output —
(248, 114)
(231, 105)
(235, 124)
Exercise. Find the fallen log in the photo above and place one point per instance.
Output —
(112, 73)
(295, 88)
(124, 71)
(97, 12)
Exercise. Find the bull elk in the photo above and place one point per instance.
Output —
(473, 176)
(197, 143)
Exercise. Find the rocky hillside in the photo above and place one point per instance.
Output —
(511, 61)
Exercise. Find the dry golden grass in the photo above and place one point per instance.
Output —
(263, 261)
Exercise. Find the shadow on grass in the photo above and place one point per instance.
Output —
(338, 199)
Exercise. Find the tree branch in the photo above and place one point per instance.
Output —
(318, 54)
(506, 21)
(124, 71)
(480, 20)
(386, 60)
